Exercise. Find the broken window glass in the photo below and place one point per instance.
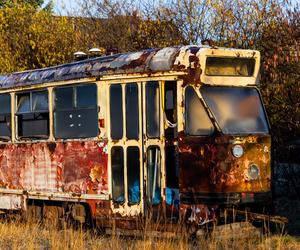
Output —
(33, 114)
(197, 121)
(152, 109)
(153, 173)
(5, 117)
(133, 174)
(117, 171)
(116, 112)
(132, 111)
(76, 112)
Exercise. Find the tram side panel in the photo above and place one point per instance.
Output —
(77, 167)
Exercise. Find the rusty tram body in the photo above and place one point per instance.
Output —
(179, 131)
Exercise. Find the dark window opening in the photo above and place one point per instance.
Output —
(172, 170)
(197, 121)
(5, 117)
(64, 98)
(117, 171)
(116, 112)
(170, 109)
(153, 173)
(132, 111)
(33, 115)
(133, 174)
(152, 109)
(86, 96)
(76, 112)
(172, 175)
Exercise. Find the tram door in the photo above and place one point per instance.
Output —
(153, 146)
(136, 147)
(125, 151)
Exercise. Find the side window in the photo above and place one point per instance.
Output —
(117, 172)
(132, 111)
(152, 109)
(116, 112)
(153, 173)
(76, 112)
(133, 174)
(197, 121)
(33, 114)
(5, 117)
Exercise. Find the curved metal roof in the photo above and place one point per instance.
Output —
(147, 61)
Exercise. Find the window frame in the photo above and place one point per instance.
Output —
(120, 177)
(111, 121)
(127, 106)
(151, 83)
(204, 109)
(129, 173)
(33, 112)
(150, 194)
(9, 115)
(74, 108)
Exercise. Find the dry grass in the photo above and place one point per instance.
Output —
(16, 235)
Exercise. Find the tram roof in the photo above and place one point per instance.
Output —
(146, 61)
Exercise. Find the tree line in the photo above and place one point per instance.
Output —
(32, 36)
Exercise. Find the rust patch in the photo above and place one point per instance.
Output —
(51, 147)
(148, 61)
(207, 165)
(77, 167)
(198, 214)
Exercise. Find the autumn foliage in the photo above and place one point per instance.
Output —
(31, 37)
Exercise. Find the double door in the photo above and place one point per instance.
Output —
(135, 146)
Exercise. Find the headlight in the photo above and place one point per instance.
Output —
(237, 151)
(253, 172)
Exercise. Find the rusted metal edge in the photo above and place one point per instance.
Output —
(54, 195)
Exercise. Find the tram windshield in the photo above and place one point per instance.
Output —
(238, 110)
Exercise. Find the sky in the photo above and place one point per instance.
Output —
(64, 7)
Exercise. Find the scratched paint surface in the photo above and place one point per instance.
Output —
(77, 167)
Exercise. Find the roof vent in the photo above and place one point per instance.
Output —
(111, 51)
(79, 55)
(96, 52)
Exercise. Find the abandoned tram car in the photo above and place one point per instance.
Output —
(179, 131)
